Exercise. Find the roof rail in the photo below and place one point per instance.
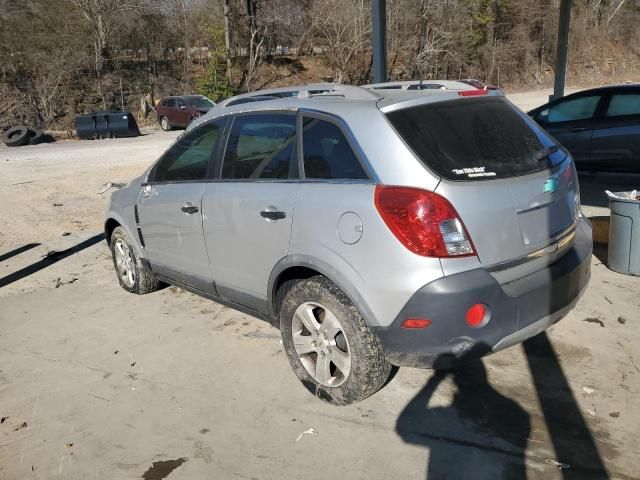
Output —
(350, 92)
(308, 91)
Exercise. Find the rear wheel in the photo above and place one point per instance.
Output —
(133, 276)
(330, 348)
(164, 124)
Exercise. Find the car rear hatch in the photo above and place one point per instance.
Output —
(514, 188)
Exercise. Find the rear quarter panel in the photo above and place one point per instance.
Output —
(377, 269)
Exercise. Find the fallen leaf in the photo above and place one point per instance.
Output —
(594, 320)
(68, 445)
(3, 419)
(614, 414)
(19, 427)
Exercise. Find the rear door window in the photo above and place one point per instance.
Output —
(188, 158)
(625, 104)
(327, 153)
(171, 103)
(260, 146)
(474, 139)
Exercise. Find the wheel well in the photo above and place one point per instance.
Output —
(109, 227)
(285, 282)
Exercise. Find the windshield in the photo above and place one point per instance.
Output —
(200, 102)
(475, 139)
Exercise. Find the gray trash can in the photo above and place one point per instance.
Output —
(624, 233)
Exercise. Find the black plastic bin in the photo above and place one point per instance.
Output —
(86, 127)
(106, 125)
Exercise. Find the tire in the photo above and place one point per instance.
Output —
(351, 343)
(164, 124)
(16, 136)
(141, 280)
(35, 136)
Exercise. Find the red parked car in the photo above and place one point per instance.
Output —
(180, 111)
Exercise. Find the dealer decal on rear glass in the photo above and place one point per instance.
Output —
(473, 172)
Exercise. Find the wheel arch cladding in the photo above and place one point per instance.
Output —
(109, 226)
(299, 267)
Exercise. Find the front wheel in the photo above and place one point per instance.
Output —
(333, 352)
(133, 276)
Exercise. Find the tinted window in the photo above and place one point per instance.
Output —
(260, 146)
(187, 159)
(171, 102)
(624, 104)
(180, 103)
(473, 139)
(327, 153)
(577, 109)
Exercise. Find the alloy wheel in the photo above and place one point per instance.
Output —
(321, 344)
(125, 263)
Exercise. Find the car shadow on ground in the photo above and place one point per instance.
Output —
(51, 258)
(483, 434)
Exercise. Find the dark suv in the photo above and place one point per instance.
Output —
(180, 111)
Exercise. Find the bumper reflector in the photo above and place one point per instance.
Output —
(477, 316)
(416, 323)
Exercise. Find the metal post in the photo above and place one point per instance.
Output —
(561, 50)
(379, 26)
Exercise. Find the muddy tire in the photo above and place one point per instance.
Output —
(332, 351)
(133, 276)
(164, 124)
(16, 136)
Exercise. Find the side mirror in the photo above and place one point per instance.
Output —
(183, 107)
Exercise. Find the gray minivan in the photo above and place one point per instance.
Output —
(372, 229)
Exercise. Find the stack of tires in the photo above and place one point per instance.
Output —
(21, 135)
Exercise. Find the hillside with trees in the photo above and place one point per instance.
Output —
(60, 58)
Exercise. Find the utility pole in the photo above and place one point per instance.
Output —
(379, 24)
(561, 50)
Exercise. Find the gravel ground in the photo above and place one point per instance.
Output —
(97, 383)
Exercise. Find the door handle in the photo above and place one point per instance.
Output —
(578, 129)
(189, 208)
(270, 213)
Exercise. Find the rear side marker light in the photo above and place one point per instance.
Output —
(423, 221)
(477, 315)
(472, 93)
(416, 323)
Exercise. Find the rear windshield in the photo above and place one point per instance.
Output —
(475, 139)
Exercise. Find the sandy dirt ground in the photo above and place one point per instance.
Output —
(96, 383)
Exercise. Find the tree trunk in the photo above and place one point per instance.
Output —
(227, 39)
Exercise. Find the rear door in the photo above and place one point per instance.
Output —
(615, 145)
(570, 121)
(170, 207)
(248, 212)
(512, 198)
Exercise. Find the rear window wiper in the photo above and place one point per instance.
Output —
(542, 154)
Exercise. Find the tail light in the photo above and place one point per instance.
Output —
(472, 93)
(424, 222)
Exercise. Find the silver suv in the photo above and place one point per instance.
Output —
(407, 229)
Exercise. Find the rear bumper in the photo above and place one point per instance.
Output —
(519, 309)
